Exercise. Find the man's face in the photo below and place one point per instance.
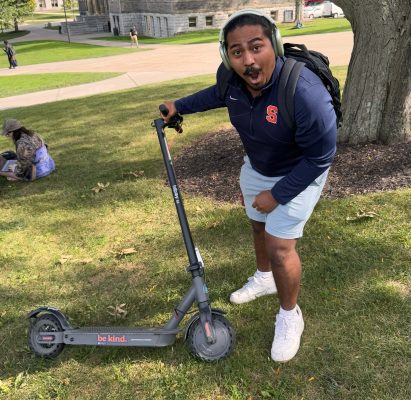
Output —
(251, 56)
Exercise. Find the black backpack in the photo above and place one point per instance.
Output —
(297, 56)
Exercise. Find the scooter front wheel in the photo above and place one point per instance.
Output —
(223, 346)
(44, 323)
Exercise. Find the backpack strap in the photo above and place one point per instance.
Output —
(223, 78)
(286, 89)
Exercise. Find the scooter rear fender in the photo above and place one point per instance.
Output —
(51, 310)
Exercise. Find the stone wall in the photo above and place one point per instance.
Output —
(169, 17)
(172, 7)
(162, 25)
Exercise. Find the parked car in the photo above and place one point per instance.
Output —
(313, 11)
(332, 10)
(309, 3)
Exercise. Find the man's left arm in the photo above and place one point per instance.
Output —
(316, 135)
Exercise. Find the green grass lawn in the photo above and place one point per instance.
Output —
(319, 25)
(60, 245)
(46, 51)
(42, 18)
(20, 84)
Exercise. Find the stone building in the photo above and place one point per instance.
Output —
(48, 5)
(165, 18)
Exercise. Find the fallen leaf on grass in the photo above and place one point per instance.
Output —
(64, 259)
(67, 258)
(125, 252)
(118, 311)
(84, 261)
(100, 187)
(19, 381)
(136, 174)
(362, 215)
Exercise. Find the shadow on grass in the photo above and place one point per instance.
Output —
(12, 35)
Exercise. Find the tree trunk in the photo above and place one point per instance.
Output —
(377, 95)
(299, 8)
(16, 26)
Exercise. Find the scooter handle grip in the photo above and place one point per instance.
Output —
(175, 121)
(163, 109)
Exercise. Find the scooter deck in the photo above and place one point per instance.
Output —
(120, 336)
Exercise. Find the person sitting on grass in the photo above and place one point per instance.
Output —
(33, 160)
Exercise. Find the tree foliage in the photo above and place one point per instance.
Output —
(12, 12)
(69, 4)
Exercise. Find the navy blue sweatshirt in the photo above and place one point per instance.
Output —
(299, 155)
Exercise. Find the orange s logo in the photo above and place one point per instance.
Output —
(271, 116)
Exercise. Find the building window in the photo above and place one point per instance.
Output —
(209, 20)
(288, 15)
(159, 25)
(54, 3)
(166, 26)
(152, 30)
(274, 15)
(192, 22)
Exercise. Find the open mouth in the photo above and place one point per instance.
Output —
(252, 74)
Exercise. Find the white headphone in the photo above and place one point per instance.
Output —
(275, 35)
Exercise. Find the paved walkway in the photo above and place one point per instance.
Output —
(161, 63)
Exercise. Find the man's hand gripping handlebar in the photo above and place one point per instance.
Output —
(171, 119)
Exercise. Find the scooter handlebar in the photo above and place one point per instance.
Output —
(174, 122)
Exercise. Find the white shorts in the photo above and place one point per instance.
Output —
(285, 221)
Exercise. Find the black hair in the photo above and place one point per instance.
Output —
(16, 135)
(249, 19)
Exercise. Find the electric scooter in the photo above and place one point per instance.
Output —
(208, 333)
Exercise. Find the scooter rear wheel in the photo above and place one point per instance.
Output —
(223, 346)
(45, 323)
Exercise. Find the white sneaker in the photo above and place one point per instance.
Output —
(288, 331)
(255, 287)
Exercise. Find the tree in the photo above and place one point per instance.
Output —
(377, 94)
(14, 11)
(6, 15)
(299, 12)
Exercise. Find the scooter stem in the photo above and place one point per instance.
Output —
(178, 201)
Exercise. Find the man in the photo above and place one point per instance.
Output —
(133, 37)
(11, 54)
(285, 169)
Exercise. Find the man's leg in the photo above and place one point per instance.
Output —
(262, 282)
(289, 325)
(286, 267)
(263, 263)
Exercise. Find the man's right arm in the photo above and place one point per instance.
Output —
(206, 99)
